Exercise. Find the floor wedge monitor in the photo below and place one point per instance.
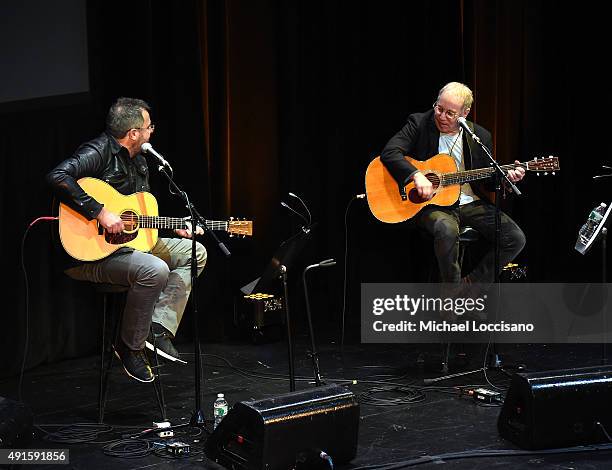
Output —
(559, 408)
(270, 433)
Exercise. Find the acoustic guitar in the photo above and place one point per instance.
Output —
(86, 240)
(391, 203)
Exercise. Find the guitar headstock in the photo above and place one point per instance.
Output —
(545, 164)
(240, 227)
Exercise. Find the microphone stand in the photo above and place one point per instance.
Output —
(197, 418)
(604, 277)
(604, 274)
(283, 278)
(500, 176)
(314, 355)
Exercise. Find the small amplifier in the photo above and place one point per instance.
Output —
(261, 316)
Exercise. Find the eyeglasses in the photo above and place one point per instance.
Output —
(150, 127)
(449, 113)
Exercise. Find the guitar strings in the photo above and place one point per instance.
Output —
(471, 175)
(148, 221)
(152, 221)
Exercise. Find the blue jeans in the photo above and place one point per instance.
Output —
(159, 284)
(444, 225)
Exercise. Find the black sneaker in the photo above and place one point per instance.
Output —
(162, 339)
(135, 363)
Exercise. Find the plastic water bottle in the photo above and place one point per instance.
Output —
(598, 213)
(219, 408)
(587, 230)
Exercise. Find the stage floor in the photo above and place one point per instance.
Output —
(427, 420)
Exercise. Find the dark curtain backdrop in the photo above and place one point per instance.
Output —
(256, 99)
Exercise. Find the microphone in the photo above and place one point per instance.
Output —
(148, 148)
(287, 206)
(463, 123)
(322, 264)
(327, 262)
(303, 204)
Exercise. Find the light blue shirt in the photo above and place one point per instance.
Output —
(452, 144)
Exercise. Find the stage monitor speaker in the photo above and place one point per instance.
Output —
(560, 408)
(269, 434)
(16, 424)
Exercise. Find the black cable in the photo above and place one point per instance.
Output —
(128, 448)
(456, 390)
(344, 289)
(604, 431)
(27, 302)
(164, 454)
(74, 433)
(411, 395)
(483, 454)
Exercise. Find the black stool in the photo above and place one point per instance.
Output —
(109, 294)
(467, 237)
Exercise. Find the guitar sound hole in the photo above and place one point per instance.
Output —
(413, 195)
(130, 231)
(130, 221)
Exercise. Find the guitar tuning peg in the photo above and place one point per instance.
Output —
(553, 173)
(537, 173)
(231, 218)
(545, 173)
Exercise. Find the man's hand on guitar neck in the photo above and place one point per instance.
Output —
(516, 175)
(422, 185)
(110, 221)
(186, 232)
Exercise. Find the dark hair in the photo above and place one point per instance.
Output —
(125, 114)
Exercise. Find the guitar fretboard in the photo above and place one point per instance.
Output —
(461, 177)
(150, 221)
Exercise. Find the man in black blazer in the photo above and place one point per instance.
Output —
(437, 131)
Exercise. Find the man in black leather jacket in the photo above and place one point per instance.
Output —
(437, 131)
(159, 282)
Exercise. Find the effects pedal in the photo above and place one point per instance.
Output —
(483, 395)
(178, 449)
